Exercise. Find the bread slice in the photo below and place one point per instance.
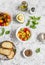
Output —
(7, 44)
(5, 51)
(11, 55)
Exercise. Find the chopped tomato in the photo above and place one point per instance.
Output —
(20, 37)
(1, 24)
(24, 34)
(23, 39)
(9, 17)
(4, 19)
(26, 29)
(1, 21)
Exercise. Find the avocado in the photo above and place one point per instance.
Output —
(20, 18)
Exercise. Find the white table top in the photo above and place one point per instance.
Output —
(10, 6)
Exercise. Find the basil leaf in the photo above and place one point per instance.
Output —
(35, 18)
(37, 50)
(35, 23)
(7, 32)
(3, 30)
(32, 17)
(28, 23)
(33, 26)
(38, 18)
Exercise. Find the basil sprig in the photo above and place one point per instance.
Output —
(32, 22)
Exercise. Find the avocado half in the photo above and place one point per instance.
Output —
(20, 18)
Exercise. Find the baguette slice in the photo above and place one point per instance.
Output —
(5, 51)
(11, 55)
(7, 44)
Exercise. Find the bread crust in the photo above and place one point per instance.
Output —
(5, 51)
(8, 47)
(12, 49)
(11, 55)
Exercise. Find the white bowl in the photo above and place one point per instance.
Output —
(24, 53)
(18, 31)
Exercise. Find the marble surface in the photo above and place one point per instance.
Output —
(10, 6)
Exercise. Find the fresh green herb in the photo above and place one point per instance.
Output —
(33, 26)
(35, 18)
(3, 30)
(28, 23)
(38, 18)
(37, 50)
(32, 17)
(33, 21)
(7, 32)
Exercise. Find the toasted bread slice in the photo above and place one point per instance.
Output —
(11, 55)
(7, 44)
(5, 51)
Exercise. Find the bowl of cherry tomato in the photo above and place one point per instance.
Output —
(5, 19)
(23, 34)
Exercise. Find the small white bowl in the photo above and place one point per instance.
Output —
(19, 38)
(24, 53)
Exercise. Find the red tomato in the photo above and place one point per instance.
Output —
(23, 39)
(0, 24)
(27, 36)
(9, 17)
(26, 29)
(4, 20)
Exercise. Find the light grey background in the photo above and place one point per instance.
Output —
(10, 6)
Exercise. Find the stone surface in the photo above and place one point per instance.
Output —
(10, 6)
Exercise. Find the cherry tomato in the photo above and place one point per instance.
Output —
(23, 39)
(26, 29)
(9, 17)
